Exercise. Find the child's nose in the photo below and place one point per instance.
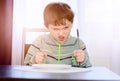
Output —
(61, 32)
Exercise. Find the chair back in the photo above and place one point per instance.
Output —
(28, 36)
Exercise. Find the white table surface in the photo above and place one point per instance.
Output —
(93, 73)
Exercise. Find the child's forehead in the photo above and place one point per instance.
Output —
(59, 26)
(67, 24)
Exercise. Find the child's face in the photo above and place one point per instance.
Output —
(60, 33)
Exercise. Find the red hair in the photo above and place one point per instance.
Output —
(57, 14)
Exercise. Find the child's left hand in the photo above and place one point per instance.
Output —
(80, 55)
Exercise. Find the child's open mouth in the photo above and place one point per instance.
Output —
(61, 38)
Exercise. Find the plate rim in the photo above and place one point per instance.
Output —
(49, 66)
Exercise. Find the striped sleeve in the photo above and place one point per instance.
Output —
(86, 63)
(34, 48)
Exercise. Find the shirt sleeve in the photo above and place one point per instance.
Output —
(86, 63)
(34, 48)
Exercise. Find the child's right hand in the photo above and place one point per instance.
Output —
(39, 57)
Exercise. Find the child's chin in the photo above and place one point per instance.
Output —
(61, 41)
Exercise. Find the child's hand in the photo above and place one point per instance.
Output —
(80, 55)
(39, 57)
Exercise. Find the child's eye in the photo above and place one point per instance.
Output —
(55, 29)
(66, 27)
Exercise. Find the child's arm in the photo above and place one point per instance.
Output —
(29, 58)
(32, 51)
(39, 57)
(81, 56)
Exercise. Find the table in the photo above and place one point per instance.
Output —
(8, 73)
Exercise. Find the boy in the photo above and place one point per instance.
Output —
(58, 47)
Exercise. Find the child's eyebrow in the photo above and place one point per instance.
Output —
(66, 27)
(55, 28)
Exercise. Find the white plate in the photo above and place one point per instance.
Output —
(51, 69)
(51, 66)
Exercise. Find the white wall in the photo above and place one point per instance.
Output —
(98, 22)
(19, 18)
(96, 29)
(100, 29)
(115, 65)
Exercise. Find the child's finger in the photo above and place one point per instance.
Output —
(45, 54)
(75, 52)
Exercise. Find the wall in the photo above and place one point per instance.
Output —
(100, 27)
